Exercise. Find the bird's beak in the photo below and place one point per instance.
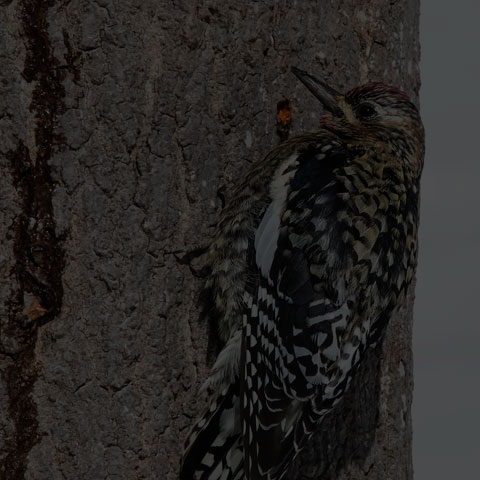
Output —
(327, 95)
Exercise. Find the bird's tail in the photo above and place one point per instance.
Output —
(213, 450)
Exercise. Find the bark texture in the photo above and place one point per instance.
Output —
(124, 126)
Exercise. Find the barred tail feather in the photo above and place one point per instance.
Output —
(213, 450)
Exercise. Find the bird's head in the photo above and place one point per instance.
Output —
(373, 113)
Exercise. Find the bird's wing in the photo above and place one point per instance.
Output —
(305, 259)
(291, 342)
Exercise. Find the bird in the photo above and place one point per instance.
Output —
(312, 254)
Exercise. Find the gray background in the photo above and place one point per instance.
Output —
(447, 330)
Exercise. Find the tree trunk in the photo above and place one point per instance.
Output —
(124, 127)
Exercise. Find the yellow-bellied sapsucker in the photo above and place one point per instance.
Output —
(312, 254)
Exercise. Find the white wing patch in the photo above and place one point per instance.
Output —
(267, 233)
(266, 240)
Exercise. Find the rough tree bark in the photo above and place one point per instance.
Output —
(123, 126)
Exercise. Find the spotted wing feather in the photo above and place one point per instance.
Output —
(291, 341)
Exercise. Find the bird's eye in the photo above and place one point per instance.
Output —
(366, 111)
